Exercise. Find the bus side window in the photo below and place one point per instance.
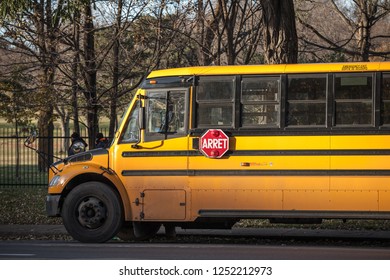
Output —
(260, 101)
(306, 100)
(132, 129)
(215, 101)
(156, 111)
(385, 99)
(353, 99)
(176, 113)
(165, 114)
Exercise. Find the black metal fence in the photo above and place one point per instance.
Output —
(19, 165)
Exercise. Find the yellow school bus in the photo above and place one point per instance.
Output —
(203, 147)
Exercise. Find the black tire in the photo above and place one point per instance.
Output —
(92, 213)
(138, 231)
(126, 233)
(145, 230)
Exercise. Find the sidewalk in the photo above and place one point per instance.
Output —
(41, 230)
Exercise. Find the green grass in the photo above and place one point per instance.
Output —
(24, 175)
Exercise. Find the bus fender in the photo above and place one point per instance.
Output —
(75, 175)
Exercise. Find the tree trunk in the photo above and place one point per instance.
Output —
(229, 17)
(47, 51)
(75, 89)
(90, 75)
(207, 31)
(115, 74)
(368, 10)
(45, 128)
(75, 72)
(200, 31)
(64, 116)
(280, 35)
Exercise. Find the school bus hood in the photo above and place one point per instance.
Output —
(99, 157)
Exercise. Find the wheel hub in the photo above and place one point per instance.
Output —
(92, 213)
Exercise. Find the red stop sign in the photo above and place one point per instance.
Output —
(214, 143)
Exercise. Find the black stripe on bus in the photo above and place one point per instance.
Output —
(322, 131)
(161, 154)
(236, 172)
(288, 214)
(335, 152)
(367, 152)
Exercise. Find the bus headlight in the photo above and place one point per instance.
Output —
(54, 181)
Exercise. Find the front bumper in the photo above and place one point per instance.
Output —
(52, 205)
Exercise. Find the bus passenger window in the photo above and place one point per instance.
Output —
(306, 100)
(260, 101)
(215, 101)
(353, 99)
(385, 99)
(131, 132)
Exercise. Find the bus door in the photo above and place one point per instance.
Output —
(153, 165)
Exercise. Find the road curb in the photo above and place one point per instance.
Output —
(39, 230)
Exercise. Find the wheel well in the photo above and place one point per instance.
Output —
(83, 178)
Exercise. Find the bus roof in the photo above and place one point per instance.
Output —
(272, 69)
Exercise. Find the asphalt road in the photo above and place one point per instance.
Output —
(235, 244)
(47, 252)
(58, 250)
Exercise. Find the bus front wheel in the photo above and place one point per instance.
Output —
(92, 212)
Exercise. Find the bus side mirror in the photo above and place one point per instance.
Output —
(31, 138)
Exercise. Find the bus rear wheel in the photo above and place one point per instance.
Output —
(92, 212)
(138, 231)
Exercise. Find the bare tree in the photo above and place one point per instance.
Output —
(349, 27)
(227, 32)
(280, 35)
(207, 29)
(31, 28)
